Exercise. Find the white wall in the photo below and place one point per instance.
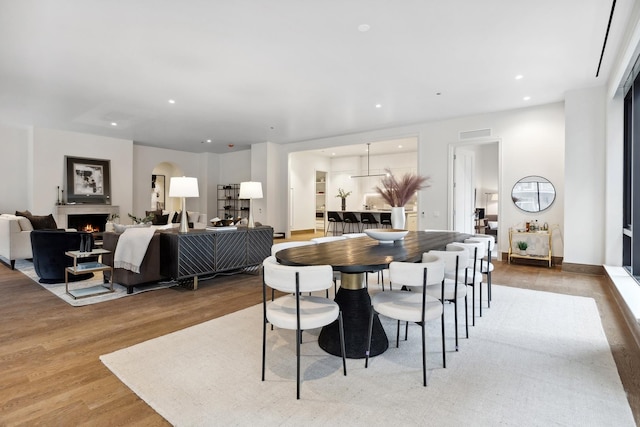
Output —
(14, 164)
(302, 181)
(532, 144)
(48, 150)
(145, 159)
(585, 176)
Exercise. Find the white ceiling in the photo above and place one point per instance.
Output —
(249, 71)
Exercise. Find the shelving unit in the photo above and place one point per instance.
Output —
(321, 199)
(229, 205)
(538, 245)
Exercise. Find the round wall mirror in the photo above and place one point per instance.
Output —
(533, 194)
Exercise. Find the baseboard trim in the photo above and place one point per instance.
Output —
(310, 230)
(595, 270)
(555, 261)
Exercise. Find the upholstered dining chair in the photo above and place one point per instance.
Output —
(473, 277)
(328, 239)
(286, 245)
(410, 306)
(296, 311)
(486, 264)
(296, 244)
(455, 288)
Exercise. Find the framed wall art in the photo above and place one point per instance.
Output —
(157, 192)
(88, 180)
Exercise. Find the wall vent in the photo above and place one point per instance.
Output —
(470, 134)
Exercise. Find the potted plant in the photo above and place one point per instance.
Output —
(522, 246)
(397, 192)
(142, 221)
(343, 195)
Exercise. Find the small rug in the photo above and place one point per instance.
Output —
(533, 359)
(59, 289)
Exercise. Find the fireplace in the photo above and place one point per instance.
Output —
(93, 223)
(66, 215)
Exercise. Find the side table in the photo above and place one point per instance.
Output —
(87, 267)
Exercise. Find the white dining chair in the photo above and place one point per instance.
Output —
(411, 306)
(486, 265)
(454, 288)
(296, 311)
(327, 239)
(473, 277)
(286, 245)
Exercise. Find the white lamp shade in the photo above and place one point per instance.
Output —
(250, 190)
(183, 186)
(494, 197)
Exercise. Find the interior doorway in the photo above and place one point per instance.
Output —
(475, 187)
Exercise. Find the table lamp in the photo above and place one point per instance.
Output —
(250, 190)
(183, 187)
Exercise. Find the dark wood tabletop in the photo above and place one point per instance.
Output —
(362, 254)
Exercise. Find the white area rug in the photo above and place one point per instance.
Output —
(59, 290)
(534, 359)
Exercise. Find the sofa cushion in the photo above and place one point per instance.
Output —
(25, 224)
(26, 213)
(43, 222)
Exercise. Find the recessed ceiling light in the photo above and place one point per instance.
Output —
(209, 141)
(519, 76)
(363, 28)
(526, 98)
(399, 146)
(114, 124)
(172, 101)
(378, 105)
(333, 154)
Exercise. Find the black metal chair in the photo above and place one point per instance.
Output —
(368, 220)
(385, 220)
(333, 219)
(350, 220)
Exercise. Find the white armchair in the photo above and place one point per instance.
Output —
(15, 238)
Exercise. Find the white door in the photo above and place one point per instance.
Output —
(463, 191)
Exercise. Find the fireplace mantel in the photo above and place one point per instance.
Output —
(63, 211)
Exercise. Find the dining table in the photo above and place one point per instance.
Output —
(354, 258)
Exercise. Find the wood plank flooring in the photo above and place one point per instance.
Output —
(50, 372)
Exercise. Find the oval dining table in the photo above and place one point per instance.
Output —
(353, 258)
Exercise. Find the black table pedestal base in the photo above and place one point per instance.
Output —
(355, 305)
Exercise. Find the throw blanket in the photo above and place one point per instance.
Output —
(131, 248)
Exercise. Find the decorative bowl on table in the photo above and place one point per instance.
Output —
(386, 235)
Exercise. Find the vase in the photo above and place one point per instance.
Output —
(344, 203)
(397, 217)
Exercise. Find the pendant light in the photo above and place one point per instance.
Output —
(368, 160)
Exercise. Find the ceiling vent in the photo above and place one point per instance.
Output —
(471, 134)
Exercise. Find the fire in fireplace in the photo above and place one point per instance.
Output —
(93, 223)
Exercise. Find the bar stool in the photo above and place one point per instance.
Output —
(385, 220)
(333, 218)
(350, 219)
(368, 220)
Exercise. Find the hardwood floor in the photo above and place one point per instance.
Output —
(50, 372)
